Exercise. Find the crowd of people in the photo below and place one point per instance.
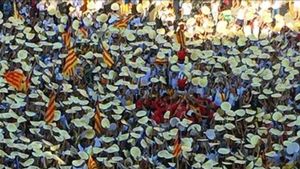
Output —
(91, 84)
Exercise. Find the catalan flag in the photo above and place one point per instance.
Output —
(123, 23)
(107, 58)
(177, 147)
(124, 9)
(16, 11)
(17, 79)
(180, 37)
(84, 6)
(160, 61)
(92, 163)
(223, 96)
(97, 123)
(70, 62)
(66, 36)
(84, 32)
(49, 115)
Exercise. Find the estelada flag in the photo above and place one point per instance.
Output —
(49, 115)
(107, 58)
(123, 23)
(17, 79)
(97, 117)
(92, 163)
(70, 63)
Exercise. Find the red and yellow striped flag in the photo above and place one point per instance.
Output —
(70, 63)
(107, 58)
(97, 125)
(66, 36)
(17, 79)
(49, 115)
(180, 37)
(177, 147)
(124, 9)
(223, 96)
(84, 6)
(16, 12)
(84, 32)
(161, 61)
(123, 23)
(92, 164)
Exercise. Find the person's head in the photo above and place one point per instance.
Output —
(233, 89)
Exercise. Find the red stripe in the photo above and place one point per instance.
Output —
(177, 147)
(182, 38)
(17, 74)
(70, 64)
(123, 22)
(67, 39)
(50, 109)
(17, 86)
(14, 82)
(92, 163)
(108, 57)
(14, 74)
(70, 59)
(49, 116)
(16, 78)
(84, 32)
(97, 122)
(122, 26)
(160, 61)
(84, 6)
(51, 101)
(13, 79)
(49, 119)
(108, 60)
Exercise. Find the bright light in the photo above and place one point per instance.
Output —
(99, 4)
(297, 5)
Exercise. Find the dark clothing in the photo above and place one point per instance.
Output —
(7, 9)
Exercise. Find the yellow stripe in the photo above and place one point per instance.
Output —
(16, 12)
(70, 63)
(92, 163)
(107, 58)
(16, 79)
(97, 117)
(49, 115)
